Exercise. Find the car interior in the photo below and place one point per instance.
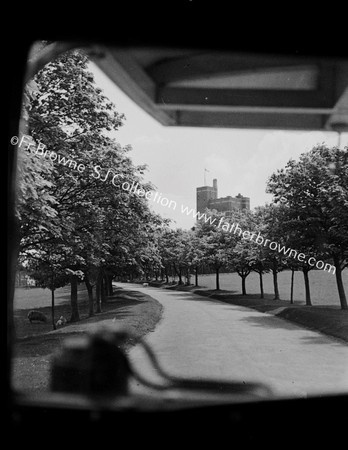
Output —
(180, 79)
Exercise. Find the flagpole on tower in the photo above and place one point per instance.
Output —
(205, 180)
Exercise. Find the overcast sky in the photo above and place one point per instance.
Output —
(241, 160)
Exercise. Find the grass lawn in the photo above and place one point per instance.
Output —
(34, 297)
(36, 342)
(323, 285)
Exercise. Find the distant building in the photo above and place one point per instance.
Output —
(207, 197)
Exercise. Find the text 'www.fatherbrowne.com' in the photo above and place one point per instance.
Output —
(157, 197)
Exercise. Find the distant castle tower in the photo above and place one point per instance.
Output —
(207, 197)
(205, 194)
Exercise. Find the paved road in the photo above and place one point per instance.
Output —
(197, 337)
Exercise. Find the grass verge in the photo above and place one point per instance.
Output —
(35, 343)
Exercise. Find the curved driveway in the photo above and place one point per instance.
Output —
(199, 337)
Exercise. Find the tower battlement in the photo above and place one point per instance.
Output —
(207, 197)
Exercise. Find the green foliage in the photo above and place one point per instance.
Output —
(314, 193)
(83, 220)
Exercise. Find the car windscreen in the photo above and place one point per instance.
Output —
(197, 198)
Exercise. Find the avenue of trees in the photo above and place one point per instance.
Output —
(309, 214)
(76, 226)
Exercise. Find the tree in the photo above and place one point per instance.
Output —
(258, 257)
(273, 219)
(296, 240)
(164, 246)
(293, 241)
(214, 241)
(69, 115)
(174, 249)
(259, 264)
(195, 253)
(239, 261)
(315, 189)
(244, 254)
(47, 268)
(90, 278)
(293, 266)
(72, 198)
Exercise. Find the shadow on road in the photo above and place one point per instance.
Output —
(273, 322)
(189, 297)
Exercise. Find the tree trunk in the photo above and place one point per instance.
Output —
(103, 289)
(90, 297)
(52, 308)
(167, 276)
(178, 272)
(217, 278)
(340, 287)
(180, 276)
(196, 276)
(73, 300)
(275, 281)
(175, 272)
(98, 294)
(109, 288)
(261, 285)
(292, 286)
(243, 285)
(307, 288)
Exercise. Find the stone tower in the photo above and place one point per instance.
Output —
(205, 194)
